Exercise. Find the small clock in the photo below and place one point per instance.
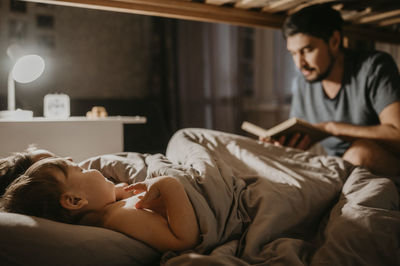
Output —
(56, 106)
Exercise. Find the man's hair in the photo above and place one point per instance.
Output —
(38, 192)
(317, 20)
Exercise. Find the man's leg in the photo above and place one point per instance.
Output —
(374, 157)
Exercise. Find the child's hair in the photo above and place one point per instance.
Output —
(38, 192)
(13, 166)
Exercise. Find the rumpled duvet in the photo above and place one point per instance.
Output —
(259, 204)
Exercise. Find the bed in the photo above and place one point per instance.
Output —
(256, 203)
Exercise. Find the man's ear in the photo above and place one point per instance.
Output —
(335, 40)
(71, 201)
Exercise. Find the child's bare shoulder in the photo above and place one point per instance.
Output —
(100, 217)
(124, 210)
(123, 217)
(121, 206)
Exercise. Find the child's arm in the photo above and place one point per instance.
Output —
(178, 231)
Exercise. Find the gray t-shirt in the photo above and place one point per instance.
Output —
(371, 82)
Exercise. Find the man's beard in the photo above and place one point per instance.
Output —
(322, 76)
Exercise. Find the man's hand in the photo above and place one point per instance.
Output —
(297, 141)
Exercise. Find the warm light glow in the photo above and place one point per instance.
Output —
(28, 68)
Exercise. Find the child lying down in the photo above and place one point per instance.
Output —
(156, 211)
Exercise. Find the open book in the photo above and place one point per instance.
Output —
(287, 128)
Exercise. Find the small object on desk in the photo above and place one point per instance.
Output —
(56, 106)
(97, 112)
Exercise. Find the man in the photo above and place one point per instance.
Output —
(353, 95)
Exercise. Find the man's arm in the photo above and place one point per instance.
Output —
(387, 133)
(178, 231)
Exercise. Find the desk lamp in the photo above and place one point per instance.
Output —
(27, 68)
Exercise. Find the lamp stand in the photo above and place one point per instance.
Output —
(11, 92)
(11, 113)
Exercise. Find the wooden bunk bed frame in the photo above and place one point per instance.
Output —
(365, 20)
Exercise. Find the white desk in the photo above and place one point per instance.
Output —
(77, 137)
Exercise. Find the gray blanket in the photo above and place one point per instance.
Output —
(261, 204)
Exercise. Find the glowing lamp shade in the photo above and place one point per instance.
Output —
(28, 68)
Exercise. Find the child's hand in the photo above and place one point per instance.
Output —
(151, 198)
(121, 193)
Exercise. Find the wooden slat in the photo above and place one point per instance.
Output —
(178, 9)
(389, 22)
(220, 2)
(247, 4)
(308, 3)
(282, 5)
(379, 16)
(354, 15)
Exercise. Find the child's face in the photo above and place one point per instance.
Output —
(90, 185)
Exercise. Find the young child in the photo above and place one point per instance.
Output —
(158, 211)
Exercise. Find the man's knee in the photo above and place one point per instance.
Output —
(374, 157)
(361, 152)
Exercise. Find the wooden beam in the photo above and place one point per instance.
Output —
(179, 10)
